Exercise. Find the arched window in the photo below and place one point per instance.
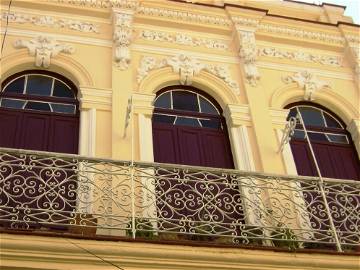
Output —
(332, 144)
(39, 111)
(40, 92)
(188, 128)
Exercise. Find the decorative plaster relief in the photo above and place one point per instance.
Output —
(301, 56)
(50, 21)
(122, 38)
(43, 48)
(308, 82)
(248, 55)
(131, 4)
(184, 16)
(295, 32)
(147, 64)
(187, 67)
(245, 21)
(183, 39)
(223, 73)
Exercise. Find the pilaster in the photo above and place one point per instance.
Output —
(278, 120)
(354, 129)
(122, 78)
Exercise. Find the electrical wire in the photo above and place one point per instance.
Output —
(93, 254)
(6, 28)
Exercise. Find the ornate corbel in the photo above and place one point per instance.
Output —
(122, 37)
(245, 29)
(43, 48)
(123, 32)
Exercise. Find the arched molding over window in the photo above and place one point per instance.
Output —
(213, 86)
(64, 65)
(340, 106)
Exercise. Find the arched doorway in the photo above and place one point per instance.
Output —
(332, 144)
(188, 128)
(337, 158)
(39, 111)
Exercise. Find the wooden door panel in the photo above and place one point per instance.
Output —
(303, 160)
(190, 144)
(165, 144)
(64, 135)
(35, 131)
(217, 150)
(337, 161)
(9, 127)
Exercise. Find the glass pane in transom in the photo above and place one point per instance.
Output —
(38, 106)
(207, 107)
(312, 117)
(185, 101)
(16, 86)
(331, 122)
(12, 103)
(62, 90)
(163, 101)
(39, 85)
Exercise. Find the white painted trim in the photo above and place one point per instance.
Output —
(354, 129)
(145, 138)
(287, 155)
(96, 96)
(87, 134)
(241, 149)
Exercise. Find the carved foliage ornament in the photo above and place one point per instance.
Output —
(248, 54)
(308, 82)
(301, 56)
(183, 39)
(50, 21)
(43, 48)
(133, 4)
(187, 67)
(300, 33)
(122, 38)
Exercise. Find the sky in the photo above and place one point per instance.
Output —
(352, 7)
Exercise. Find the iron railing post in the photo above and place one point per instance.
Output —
(133, 221)
(321, 184)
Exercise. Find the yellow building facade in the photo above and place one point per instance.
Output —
(252, 63)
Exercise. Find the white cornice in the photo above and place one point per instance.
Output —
(319, 72)
(173, 52)
(50, 21)
(69, 38)
(301, 33)
(183, 15)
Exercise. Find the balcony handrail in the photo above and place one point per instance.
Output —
(147, 199)
(82, 158)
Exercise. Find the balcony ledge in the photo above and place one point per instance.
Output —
(44, 252)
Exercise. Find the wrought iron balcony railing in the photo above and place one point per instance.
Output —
(72, 194)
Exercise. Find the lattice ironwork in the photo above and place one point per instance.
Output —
(71, 194)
